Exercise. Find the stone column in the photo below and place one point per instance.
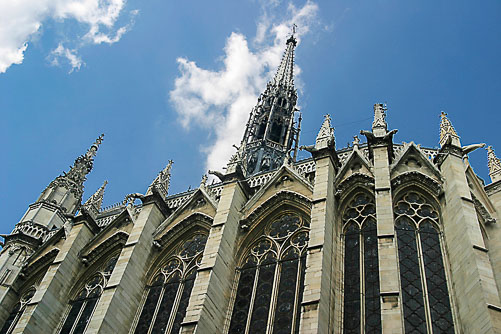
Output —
(472, 276)
(391, 317)
(43, 314)
(318, 296)
(118, 304)
(210, 296)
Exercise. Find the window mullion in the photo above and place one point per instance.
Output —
(173, 311)
(274, 292)
(362, 281)
(296, 298)
(77, 319)
(159, 301)
(423, 281)
(253, 297)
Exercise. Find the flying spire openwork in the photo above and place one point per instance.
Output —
(494, 165)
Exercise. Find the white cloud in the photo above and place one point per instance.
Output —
(20, 20)
(220, 101)
(62, 52)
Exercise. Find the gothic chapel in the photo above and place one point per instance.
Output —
(376, 237)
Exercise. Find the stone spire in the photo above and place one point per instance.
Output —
(285, 72)
(494, 165)
(379, 126)
(75, 178)
(162, 181)
(325, 136)
(448, 134)
(93, 204)
(271, 130)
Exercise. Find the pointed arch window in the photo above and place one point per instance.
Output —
(425, 295)
(17, 312)
(84, 304)
(271, 279)
(362, 309)
(169, 292)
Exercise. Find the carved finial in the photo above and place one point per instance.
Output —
(91, 152)
(325, 136)
(162, 181)
(203, 182)
(356, 141)
(448, 134)
(379, 126)
(494, 165)
(93, 204)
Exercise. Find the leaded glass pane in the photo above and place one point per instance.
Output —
(351, 320)
(163, 315)
(262, 300)
(440, 308)
(286, 294)
(414, 210)
(148, 310)
(272, 297)
(410, 277)
(371, 271)
(72, 317)
(243, 298)
(183, 303)
(302, 272)
(85, 316)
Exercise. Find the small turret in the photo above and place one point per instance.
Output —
(60, 200)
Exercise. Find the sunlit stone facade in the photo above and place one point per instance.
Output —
(376, 237)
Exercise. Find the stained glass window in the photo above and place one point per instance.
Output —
(271, 279)
(84, 304)
(362, 308)
(169, 292)
(17, 312)
(420, 252)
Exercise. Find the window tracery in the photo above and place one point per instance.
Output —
(271, 279)
(84, 304)
(425, 294)
(168, 294)
(17, 312)
(362, 309)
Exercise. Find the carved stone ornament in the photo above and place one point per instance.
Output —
(482, 211)
(354, 180)
(279, 198)
(197, 218)
(418, 178)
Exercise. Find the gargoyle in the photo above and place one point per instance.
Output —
(470, 148)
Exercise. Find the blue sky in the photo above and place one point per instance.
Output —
(176, 79)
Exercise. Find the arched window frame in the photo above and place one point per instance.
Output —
(176, 263)
(436, 224)
(365, 320)
(279, 248)
(86, 294)
(17, 311)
